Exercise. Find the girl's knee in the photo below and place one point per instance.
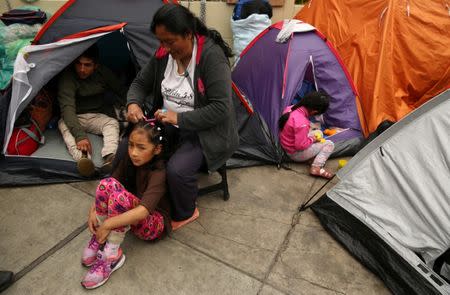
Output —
(111, 123)
(109, 182)
(119, 203)
(103, 183)
(329, 145)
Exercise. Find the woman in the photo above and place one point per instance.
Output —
(188, 83)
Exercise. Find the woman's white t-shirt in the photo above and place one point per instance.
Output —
(178, 89)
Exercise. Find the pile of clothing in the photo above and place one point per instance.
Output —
(17, 29)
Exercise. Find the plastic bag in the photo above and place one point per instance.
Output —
(8, 53)
(244, 30)
(15, 32)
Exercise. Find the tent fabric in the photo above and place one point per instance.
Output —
(73, 29)
(398, 187)
(16, 171)
(34, 71)
(282, 67)
(399, 276)
(82, 15)
(269, 74)
(397, 52)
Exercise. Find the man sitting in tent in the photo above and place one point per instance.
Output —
(82, 95)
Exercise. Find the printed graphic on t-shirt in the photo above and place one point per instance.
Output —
(177, 89)
(176, 99)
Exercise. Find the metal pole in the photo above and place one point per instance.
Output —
(203, 11)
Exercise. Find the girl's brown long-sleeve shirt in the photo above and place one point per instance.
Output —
(151, 188)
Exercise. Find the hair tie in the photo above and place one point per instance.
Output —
(150, 122)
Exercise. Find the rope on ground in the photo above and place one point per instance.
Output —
(306, 205)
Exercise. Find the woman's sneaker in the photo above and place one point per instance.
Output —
(100, 272)
(90, 252)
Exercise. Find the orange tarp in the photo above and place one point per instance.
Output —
(397, 52)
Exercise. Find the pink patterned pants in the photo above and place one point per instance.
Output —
(321, 152)
(113, 199)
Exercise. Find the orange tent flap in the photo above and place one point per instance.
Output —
(397, 52)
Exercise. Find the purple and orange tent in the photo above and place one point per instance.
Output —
(268, 77)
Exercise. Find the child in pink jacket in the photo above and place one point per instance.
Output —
(295, 137)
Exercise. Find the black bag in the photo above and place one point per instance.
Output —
(23, 16)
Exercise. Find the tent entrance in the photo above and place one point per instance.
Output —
(308, 84)
(114, 54)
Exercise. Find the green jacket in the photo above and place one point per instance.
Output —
(213, 117)
(81, 96)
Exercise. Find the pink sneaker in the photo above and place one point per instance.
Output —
(102, 269)
(90, 252)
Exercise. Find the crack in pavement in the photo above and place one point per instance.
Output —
(228, 265)
(282, 248)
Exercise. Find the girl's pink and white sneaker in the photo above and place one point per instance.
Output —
(102, 269)
(90, 252)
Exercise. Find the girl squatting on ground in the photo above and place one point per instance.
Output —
(298, 141)
(132, 198)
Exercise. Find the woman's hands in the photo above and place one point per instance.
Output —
(134, 113)
(166, 116)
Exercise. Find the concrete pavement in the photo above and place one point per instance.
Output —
(255, 243)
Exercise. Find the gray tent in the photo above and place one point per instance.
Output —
(391, 207)
(122, 31)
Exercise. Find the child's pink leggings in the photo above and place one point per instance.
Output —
(321, 152)
(113, 199)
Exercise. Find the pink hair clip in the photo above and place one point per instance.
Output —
(151, 122)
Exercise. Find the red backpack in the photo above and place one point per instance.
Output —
(25, 140)
(28, 133)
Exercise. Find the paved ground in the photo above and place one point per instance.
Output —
(255, 243)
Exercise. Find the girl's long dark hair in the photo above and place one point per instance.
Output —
(155, 135)
(313, 101)
(179, 20)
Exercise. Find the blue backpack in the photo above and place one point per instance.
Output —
(244, 8)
